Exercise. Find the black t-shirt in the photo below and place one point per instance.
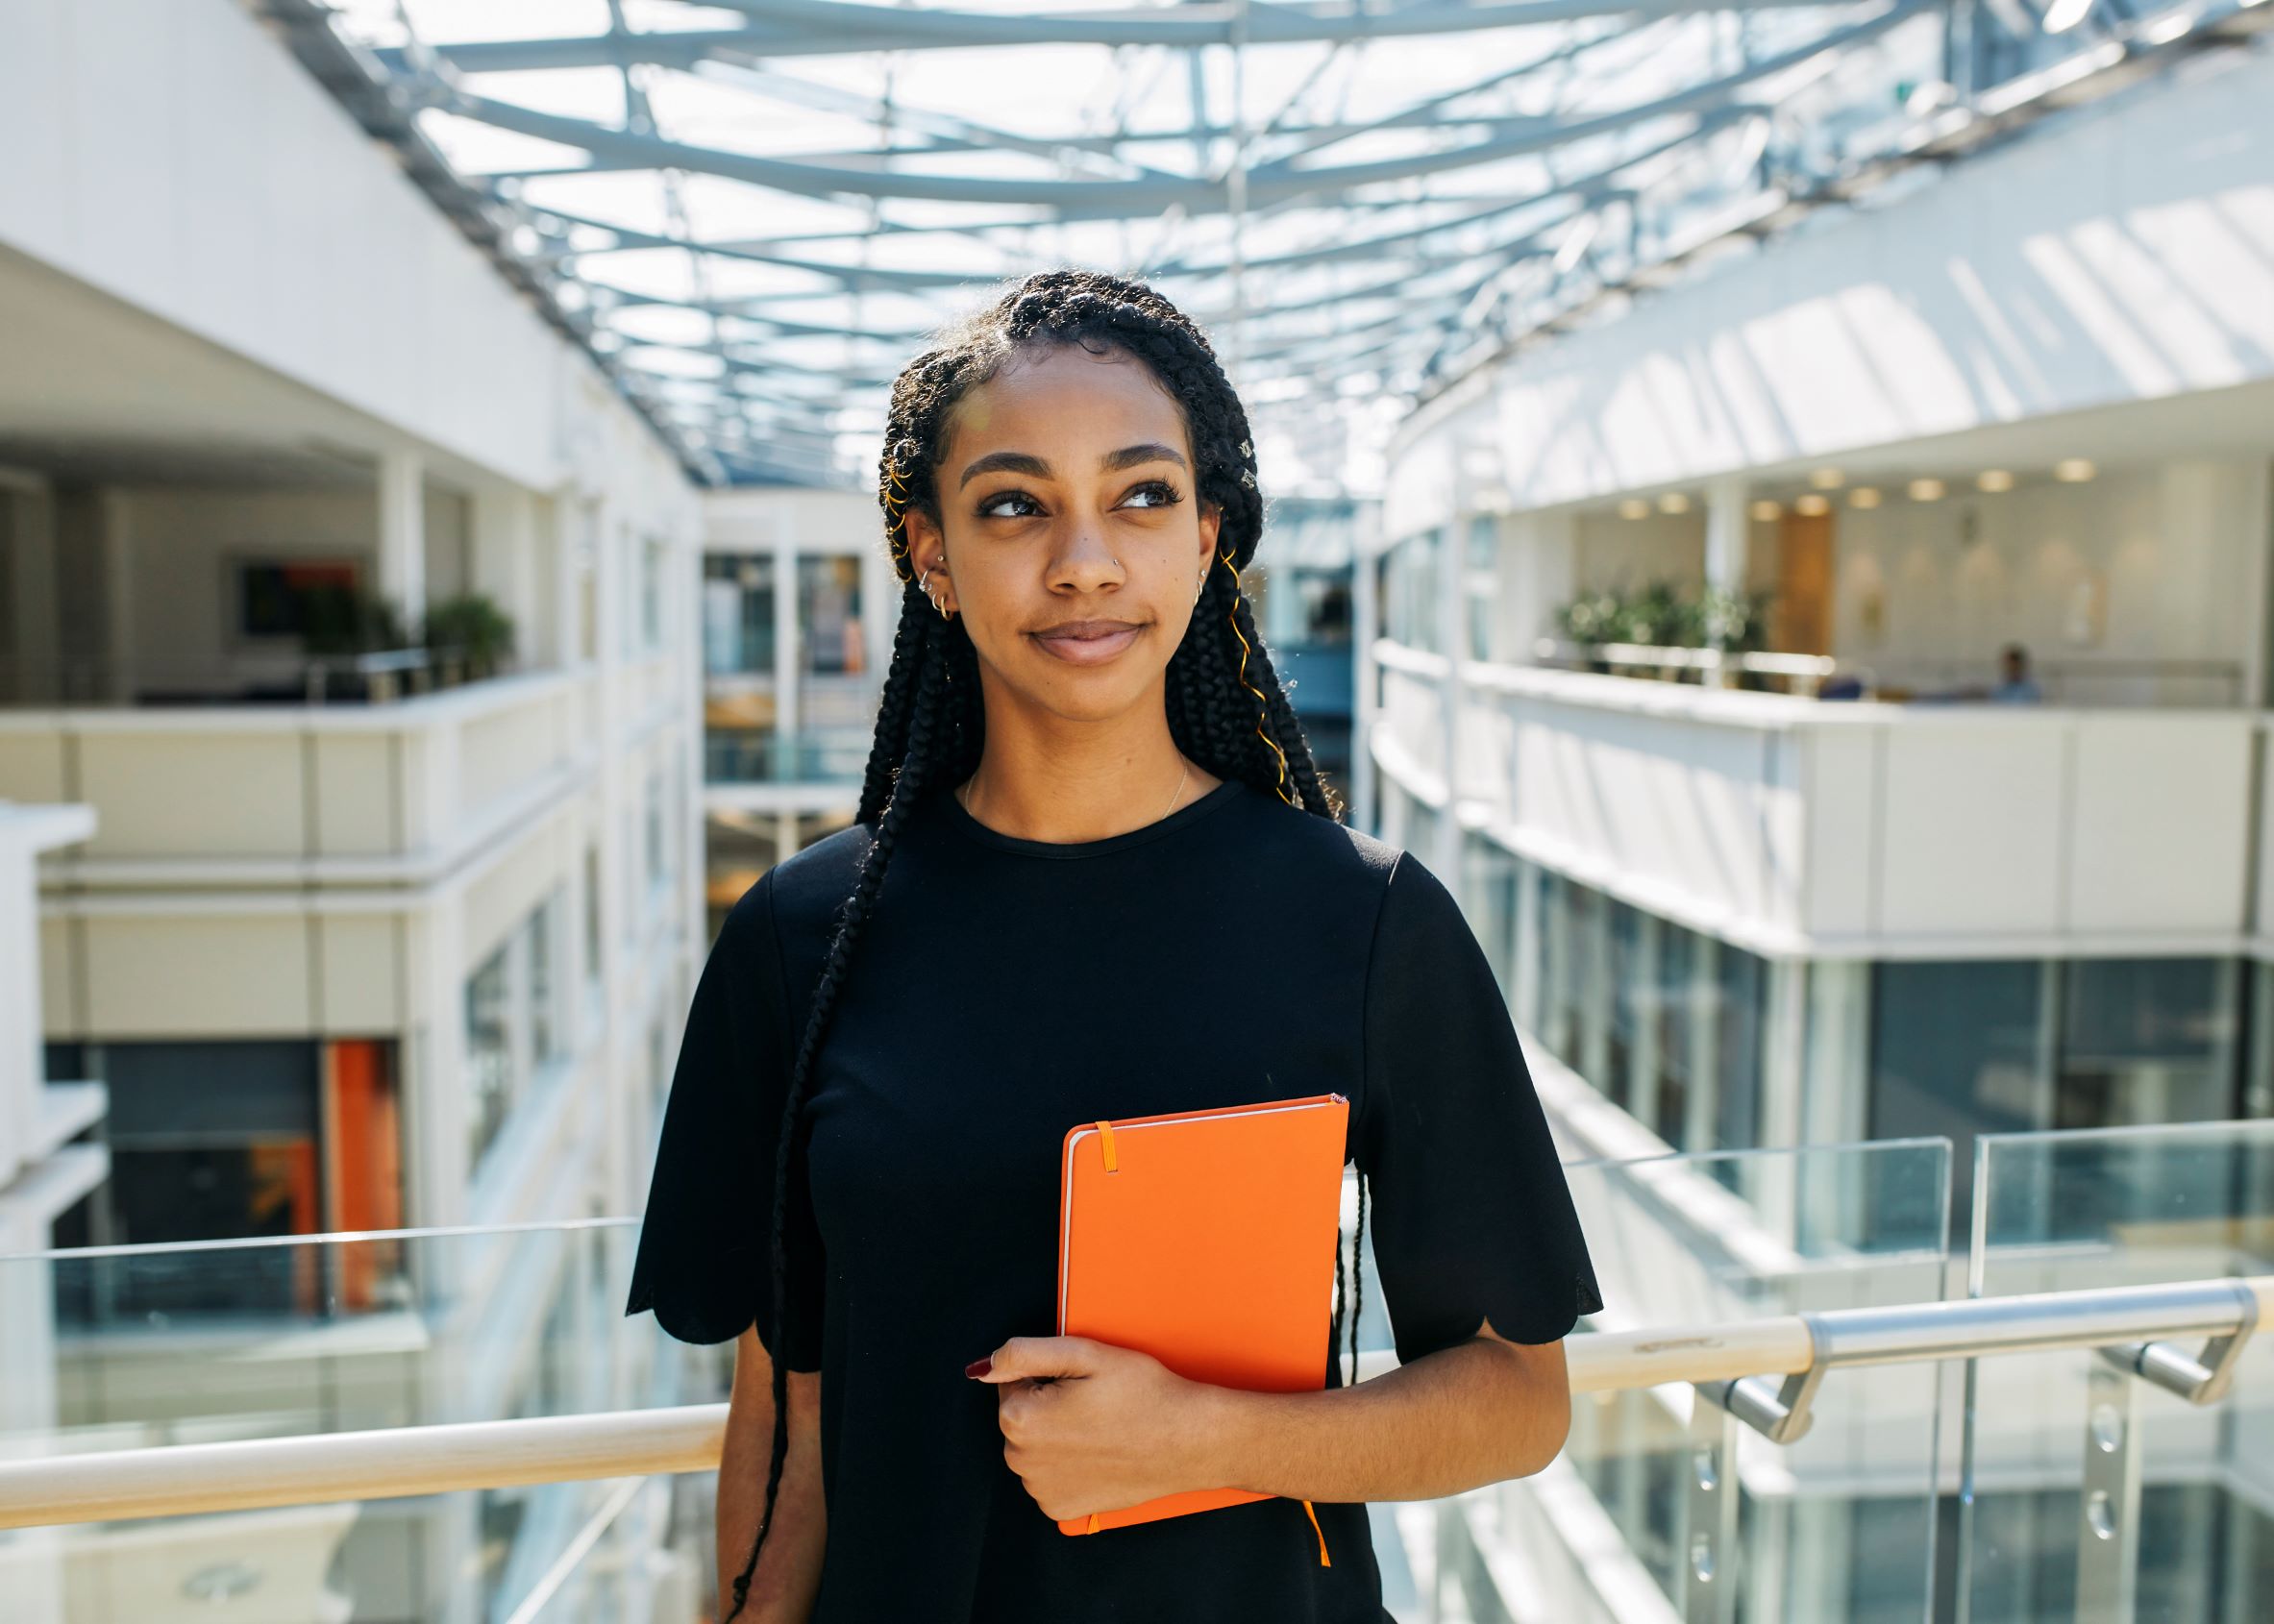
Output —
(1235, 952)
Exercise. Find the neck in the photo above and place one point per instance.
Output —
(1063, 781)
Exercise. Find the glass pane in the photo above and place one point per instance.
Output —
(489, 1055)
(1957, 1047)
(277, 1338)
(738, 615)
(2146, 1041)
(829, 614)
(2063, 1211)
(1835, 1529)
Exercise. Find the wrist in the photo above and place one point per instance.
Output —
(1219, 1423)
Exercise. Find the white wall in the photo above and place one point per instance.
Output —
(1616, 553)
(2161, 564)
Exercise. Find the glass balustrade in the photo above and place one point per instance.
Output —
(2091, 1493)
(1662, 1506)
(2011, 1489)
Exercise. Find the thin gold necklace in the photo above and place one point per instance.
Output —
(963, 792)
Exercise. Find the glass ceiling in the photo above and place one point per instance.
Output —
(752, 213)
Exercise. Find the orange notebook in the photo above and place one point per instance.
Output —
(1207, 1240)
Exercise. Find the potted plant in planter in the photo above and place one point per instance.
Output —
(343, 622)
(470, 634)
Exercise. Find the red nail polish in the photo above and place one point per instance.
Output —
(979, 1367)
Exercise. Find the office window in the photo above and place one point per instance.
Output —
(1488, 889)
(489, 1052)
(2146, 1041)
(1581, 951)
(651, 829)
(593, 941)
(544, 991)
(1957, 1047)
(1740, 996)
(1410, 591)
(1668, 1103)
(1325, 613)
(738, 614)
(220, 1141)
(513, 1028)
(652, 560)
(829, 615)
(1480, 584)
(1630, 995)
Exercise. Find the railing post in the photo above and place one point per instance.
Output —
(2108, 1534)
(1709, 1552)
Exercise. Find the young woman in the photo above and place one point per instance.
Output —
(1095, 874)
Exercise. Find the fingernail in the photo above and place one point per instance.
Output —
(979, 1367)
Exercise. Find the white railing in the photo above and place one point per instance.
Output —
(1729, 1365)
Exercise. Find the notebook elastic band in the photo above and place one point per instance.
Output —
(1105, 1140)
(1321, 1531)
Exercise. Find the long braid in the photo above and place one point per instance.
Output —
(1226, 706)
(854, 914)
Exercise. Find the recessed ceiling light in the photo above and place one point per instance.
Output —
(1673, 502)
(1634, 507)
(1926, 490)
(1863, 496)
(1768, 511)
(2074, 471)
(1994, 480)
(1827, 479)
(1814, 504)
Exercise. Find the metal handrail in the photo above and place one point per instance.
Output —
(396, 1462)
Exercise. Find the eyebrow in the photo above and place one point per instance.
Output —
(1112, 462)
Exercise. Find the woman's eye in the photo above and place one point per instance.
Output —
(1009, 505)
(1157, 493)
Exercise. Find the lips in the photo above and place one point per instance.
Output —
(1088, 642)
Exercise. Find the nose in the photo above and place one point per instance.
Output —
(1082, 561)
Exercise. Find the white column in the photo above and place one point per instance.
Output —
(1727, 533)
(1537, 568)
(880, 610)
(506, 564)
(403, 534)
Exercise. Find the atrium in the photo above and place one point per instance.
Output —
(1772, 503)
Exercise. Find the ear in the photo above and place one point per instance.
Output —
(927, 545)
(1211, 521)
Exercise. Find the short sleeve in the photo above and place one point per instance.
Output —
(704, 1246)
(1471, 1217)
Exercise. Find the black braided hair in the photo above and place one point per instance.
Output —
(1226, 709)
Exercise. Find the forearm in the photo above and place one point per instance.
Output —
(1463, 1416)
(788, 1574)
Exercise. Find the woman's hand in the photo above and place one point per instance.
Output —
(1092, 1427)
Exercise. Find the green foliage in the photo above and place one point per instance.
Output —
(351, 620)
(1660, 615)
(471, 627)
